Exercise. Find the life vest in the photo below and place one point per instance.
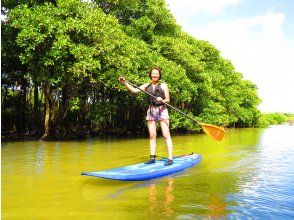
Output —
(157, 91)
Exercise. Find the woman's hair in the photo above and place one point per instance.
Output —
(157, 68)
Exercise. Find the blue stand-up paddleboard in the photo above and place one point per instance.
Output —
(143, 171)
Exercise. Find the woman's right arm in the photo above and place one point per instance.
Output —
(133, 90)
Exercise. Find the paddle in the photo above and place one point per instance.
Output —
(183, 155)
(214, 132)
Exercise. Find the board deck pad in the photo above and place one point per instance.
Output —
(141, 171)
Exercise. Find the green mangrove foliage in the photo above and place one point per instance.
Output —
(61, 60)
(267, 119)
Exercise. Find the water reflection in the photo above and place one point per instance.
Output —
(162, 204)
(40, 159)
(217, 206)
(249, 174)
(268, 183)
(156, 196)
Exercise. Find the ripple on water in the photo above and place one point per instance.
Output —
(248, 176)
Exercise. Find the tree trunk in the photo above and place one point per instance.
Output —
(36, 107)
(21, 108)
(49, 133)
(24, 107)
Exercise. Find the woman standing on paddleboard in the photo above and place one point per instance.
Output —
(157, 111)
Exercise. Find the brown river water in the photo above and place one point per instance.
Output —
(249, 174)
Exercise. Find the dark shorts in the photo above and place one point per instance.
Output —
(157, 113)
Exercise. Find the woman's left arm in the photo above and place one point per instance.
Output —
(166, 93)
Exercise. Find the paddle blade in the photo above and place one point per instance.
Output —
(214, 132)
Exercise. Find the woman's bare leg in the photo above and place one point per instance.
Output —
(152, 136)
(164, 124)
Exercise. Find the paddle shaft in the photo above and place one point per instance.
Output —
(174, 108)
(177, 156)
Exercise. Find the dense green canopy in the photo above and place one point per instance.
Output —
(61, 61)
